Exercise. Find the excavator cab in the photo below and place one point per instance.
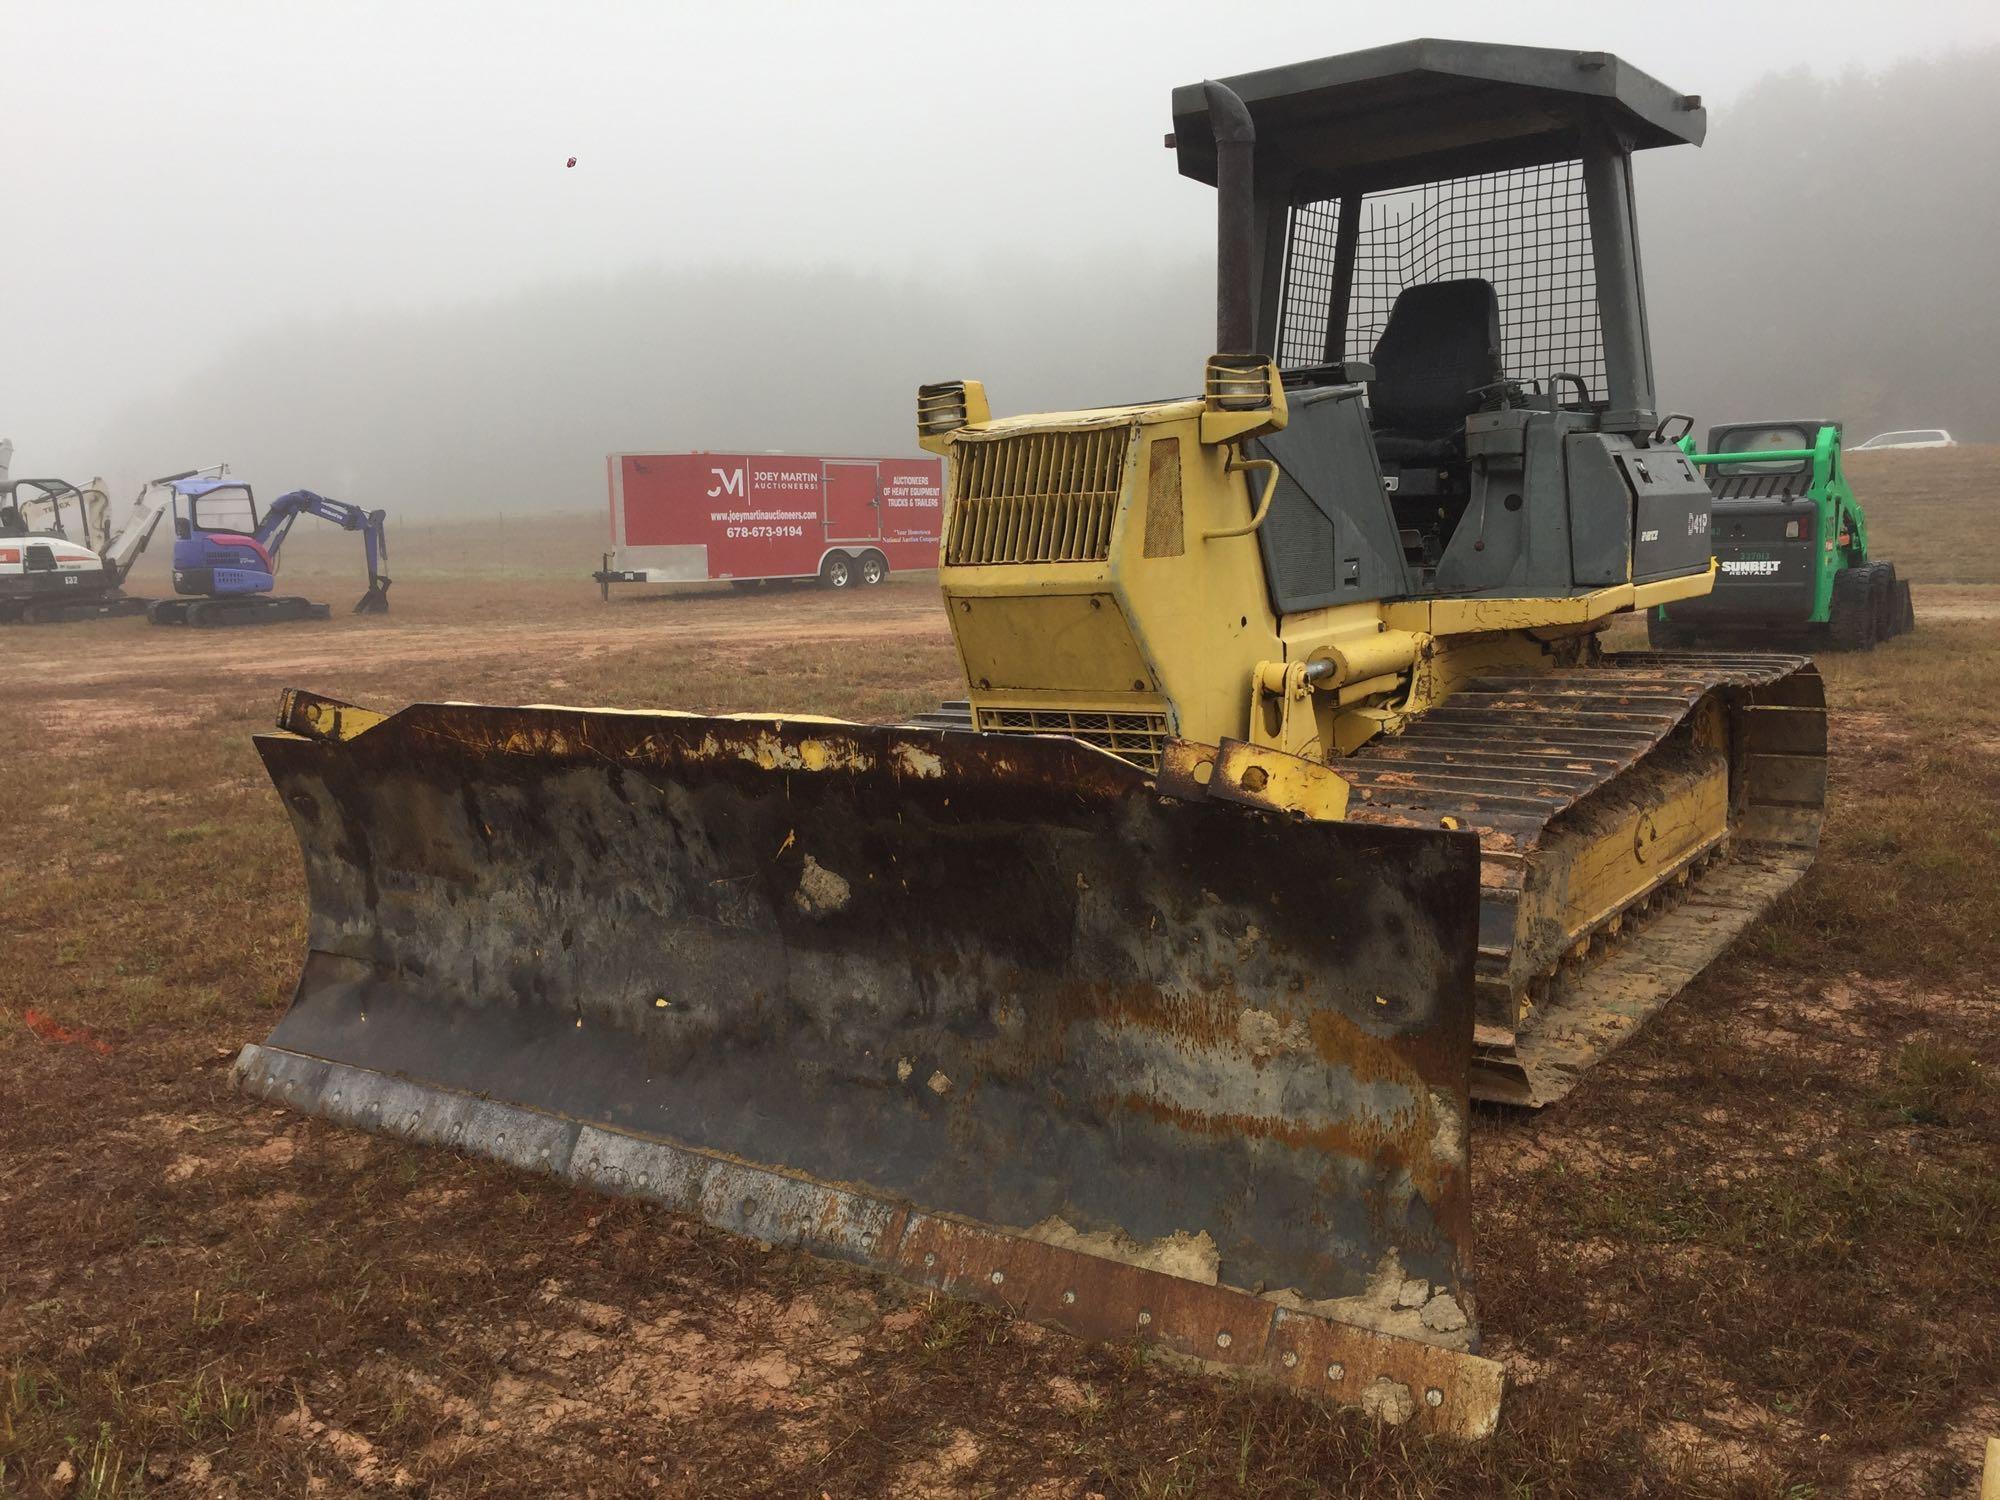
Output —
(47, 573)
(217, 552)
(34, 507)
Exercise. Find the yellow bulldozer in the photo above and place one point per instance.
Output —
(1294, 802)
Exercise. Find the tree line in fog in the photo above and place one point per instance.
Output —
(1828, 253)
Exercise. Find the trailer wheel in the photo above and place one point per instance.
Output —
(874, 568)
(1850, 621)
(837, 572)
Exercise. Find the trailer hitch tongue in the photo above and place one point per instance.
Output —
(986, 1014)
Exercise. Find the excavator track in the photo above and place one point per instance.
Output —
(1548, 768)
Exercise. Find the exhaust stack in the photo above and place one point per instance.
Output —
(1235, 216)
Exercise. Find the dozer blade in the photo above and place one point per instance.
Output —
(991, 1015)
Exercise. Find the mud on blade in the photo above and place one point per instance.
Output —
(990, 1014)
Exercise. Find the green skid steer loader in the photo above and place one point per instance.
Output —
(1791, 546)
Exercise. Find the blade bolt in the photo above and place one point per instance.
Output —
(1336, 1370)
(1290, 1360)
(1434, 1397)
(1068, 1298)
(1144, 1317)
(1222, 1339)
(998, 1277)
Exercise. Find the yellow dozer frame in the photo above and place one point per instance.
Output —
(1293, 802)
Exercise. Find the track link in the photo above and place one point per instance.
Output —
(1519, 758)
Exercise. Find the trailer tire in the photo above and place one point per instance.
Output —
(874, 568)
(1850, 619)
(837, 572)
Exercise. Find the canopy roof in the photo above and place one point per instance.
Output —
(1425, 111)
(203, 486)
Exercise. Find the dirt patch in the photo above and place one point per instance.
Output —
(1754, 1254)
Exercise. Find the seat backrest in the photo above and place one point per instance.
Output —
(1441, 343)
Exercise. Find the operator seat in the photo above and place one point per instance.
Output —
(1439, 347)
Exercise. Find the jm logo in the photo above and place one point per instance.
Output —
(728, 482)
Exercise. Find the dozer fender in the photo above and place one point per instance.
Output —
(989, 1014)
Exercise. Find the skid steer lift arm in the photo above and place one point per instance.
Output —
(287, 508)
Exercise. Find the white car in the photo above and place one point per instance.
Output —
(1916, 437)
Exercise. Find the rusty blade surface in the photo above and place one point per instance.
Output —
(988, 981)
(1441, 1390)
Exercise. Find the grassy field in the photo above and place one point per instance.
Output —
(1754, 1255)
(1926, 507)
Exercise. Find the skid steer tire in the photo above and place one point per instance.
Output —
(1851, 618)
(1891, 619)
(1880, 596)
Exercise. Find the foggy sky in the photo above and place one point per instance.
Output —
(230, 193)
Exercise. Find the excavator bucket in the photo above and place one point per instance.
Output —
(994, 1015)
(376, 600)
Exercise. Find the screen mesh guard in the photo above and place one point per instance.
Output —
(1526, 230)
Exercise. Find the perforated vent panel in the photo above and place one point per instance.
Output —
(1137, 737)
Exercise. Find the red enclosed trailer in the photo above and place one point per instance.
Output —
(703, 517)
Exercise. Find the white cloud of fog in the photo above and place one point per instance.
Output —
(179, 178)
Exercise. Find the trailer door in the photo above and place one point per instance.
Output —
(852, 497)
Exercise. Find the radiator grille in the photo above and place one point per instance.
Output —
(1136, 737)
(1039, 497)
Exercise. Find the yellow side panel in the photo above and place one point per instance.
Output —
(1637, 847)
(1165, 532)
(1052, 642)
